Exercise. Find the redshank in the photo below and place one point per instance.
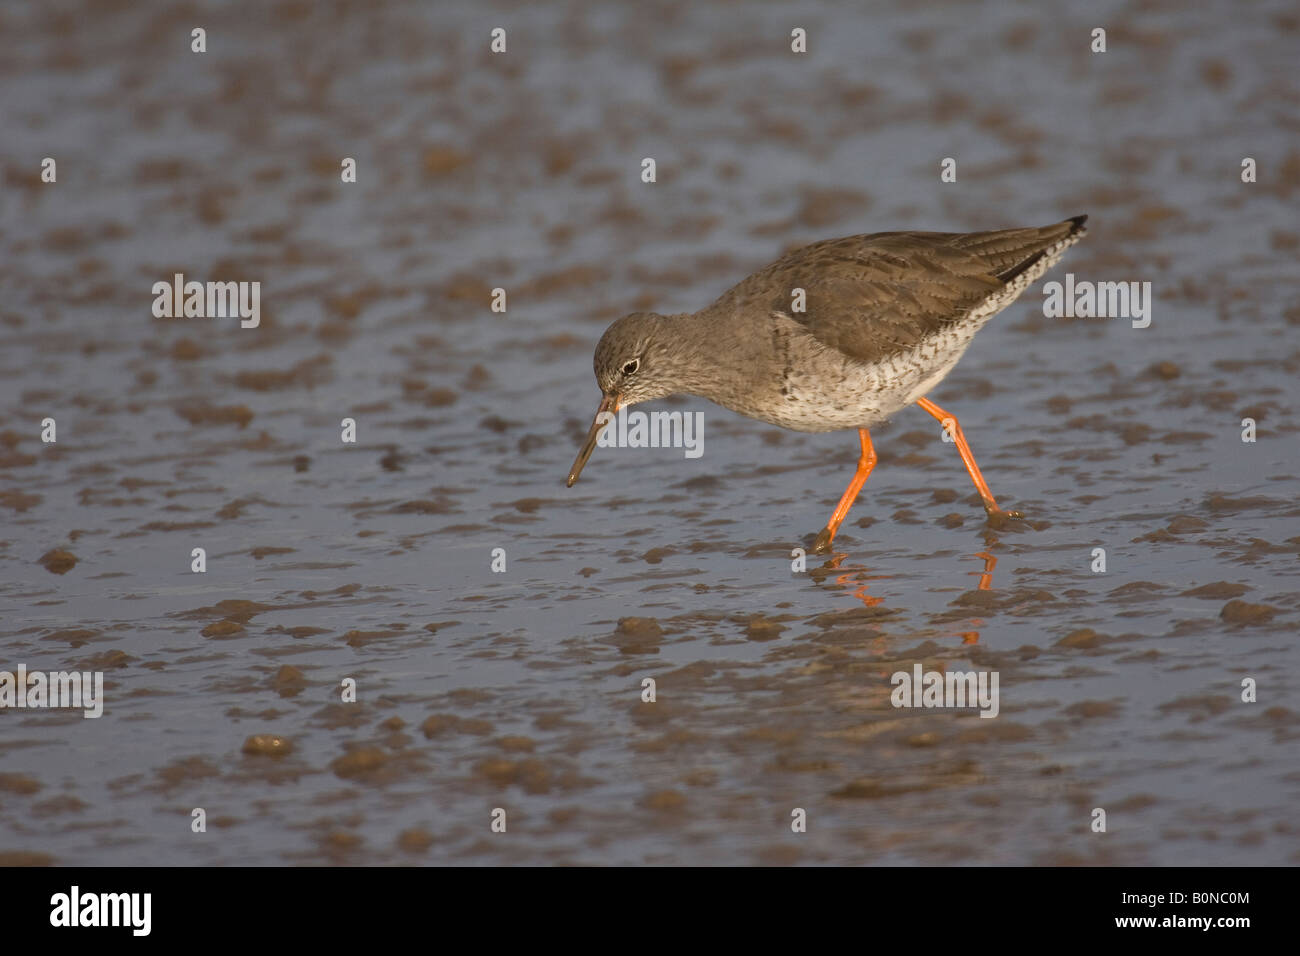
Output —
(886, 317)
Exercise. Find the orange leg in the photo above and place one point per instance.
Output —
(865, 464)
(954, 429)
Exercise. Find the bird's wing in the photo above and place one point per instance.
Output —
(874, 296)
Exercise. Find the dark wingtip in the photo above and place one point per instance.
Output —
(1078, 223)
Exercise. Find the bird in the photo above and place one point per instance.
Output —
(840, 334)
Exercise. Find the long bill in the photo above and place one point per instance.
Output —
(608, 406)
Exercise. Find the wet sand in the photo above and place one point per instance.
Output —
(522, 690)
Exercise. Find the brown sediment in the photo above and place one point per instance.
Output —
(297, 632)
(18, 500)
(530, 774)
(1218, 590)
(184, 772)
(288, 681)
(185, 350)
(363, 764)
(1084, 638)
(19, 784)
(438, 724)
(415, 840)
(205, 414)
(1092, 709)
(760, 627)
(232, 609)
(358, 638)
(58, 561)
(266, 551)
(267, 745)
(106, 661)
(308, 373)
(664, 801)
(1243, 612)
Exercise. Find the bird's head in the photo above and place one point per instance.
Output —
(634, 362)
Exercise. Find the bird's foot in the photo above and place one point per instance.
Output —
(997, 518)
(823, 543)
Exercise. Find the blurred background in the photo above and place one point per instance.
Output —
(521, 690)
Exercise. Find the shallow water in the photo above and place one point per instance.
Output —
(522, 690)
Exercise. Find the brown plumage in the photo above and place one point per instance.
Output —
(886, 316)
(877, 295)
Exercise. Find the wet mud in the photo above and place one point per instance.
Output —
(371, 564)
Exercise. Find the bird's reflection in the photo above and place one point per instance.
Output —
(856, 579)
(853, 576)
(986, 584)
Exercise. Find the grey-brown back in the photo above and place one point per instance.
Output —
(872, 297)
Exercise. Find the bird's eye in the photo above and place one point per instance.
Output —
(631, 367)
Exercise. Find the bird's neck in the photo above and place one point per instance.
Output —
(712, 364)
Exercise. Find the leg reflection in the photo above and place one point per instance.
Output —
(986, 584)
(854, 577)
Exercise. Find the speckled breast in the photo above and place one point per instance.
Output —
(823, 390)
